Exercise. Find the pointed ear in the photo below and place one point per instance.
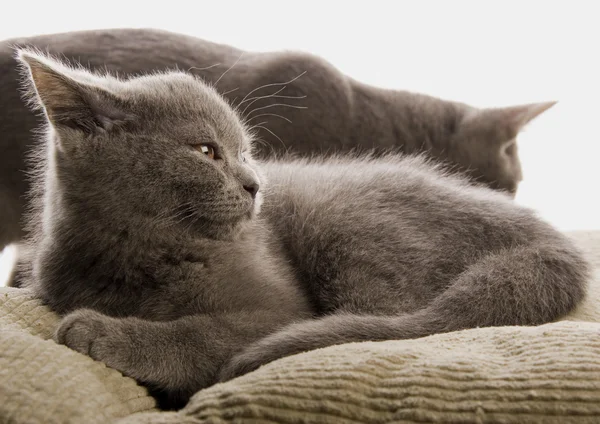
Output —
(501, 125)
(519, 116)
(69, 97)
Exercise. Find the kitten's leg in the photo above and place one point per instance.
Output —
(520, 286)
(180, 356)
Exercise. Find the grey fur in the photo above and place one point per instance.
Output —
(340, 114)
(166, 270)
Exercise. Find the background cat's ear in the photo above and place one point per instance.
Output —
(519, 116)
(69, 97)
(505, 122)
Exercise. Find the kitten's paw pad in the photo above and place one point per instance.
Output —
(92, 334)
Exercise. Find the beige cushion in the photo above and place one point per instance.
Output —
(42, 382)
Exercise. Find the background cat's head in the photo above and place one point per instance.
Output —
(163, 148)
(485, 143)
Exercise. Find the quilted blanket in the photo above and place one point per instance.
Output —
(545, 374)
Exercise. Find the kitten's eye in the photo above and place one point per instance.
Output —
(208, 150)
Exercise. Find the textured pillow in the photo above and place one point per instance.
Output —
(42, 382)
(546, 374)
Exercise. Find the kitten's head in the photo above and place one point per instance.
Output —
(486, 144)
(159, 148)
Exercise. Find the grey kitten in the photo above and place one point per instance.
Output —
(149, 239)
(319, 111)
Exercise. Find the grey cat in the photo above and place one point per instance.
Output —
(181, 261)
(318, 110)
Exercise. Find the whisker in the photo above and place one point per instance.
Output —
(255, 99)
(246, 99)
(166, 219)
(202, 69)
(184, 217)
(230, 91)
(228, 69)
(189, 213)
(160, 216)
(275, 95)
(272, 85)
(269, 114)
(191, 223)
(274, 135)
(276, 104)
(258, 140)
(254, 126)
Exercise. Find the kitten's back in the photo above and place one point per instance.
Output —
(398, 218)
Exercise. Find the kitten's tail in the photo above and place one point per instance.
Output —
(519, 286)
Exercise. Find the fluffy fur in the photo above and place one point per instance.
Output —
(165, 269)
(298, 103)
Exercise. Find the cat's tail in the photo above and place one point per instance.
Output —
(519, 286)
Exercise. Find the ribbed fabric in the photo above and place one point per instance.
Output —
(545, 374)
(42, 382)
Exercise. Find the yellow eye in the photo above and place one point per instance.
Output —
(208, 150)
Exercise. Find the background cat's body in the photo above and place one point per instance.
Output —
(326, 111)
(191, 286)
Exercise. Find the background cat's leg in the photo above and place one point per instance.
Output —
(520, 286)
(175, 357)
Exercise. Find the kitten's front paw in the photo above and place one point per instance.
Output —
(96, 335)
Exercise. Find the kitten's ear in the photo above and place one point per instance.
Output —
(502, 124)
(70, 98)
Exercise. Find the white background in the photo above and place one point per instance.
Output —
(486, 53)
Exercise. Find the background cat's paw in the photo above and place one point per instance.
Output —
(95, 335)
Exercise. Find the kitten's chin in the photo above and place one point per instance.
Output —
(258, 201)
(217, 230)
(224, 227)
(253, 207)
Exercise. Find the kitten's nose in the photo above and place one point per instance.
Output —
(251, 188)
